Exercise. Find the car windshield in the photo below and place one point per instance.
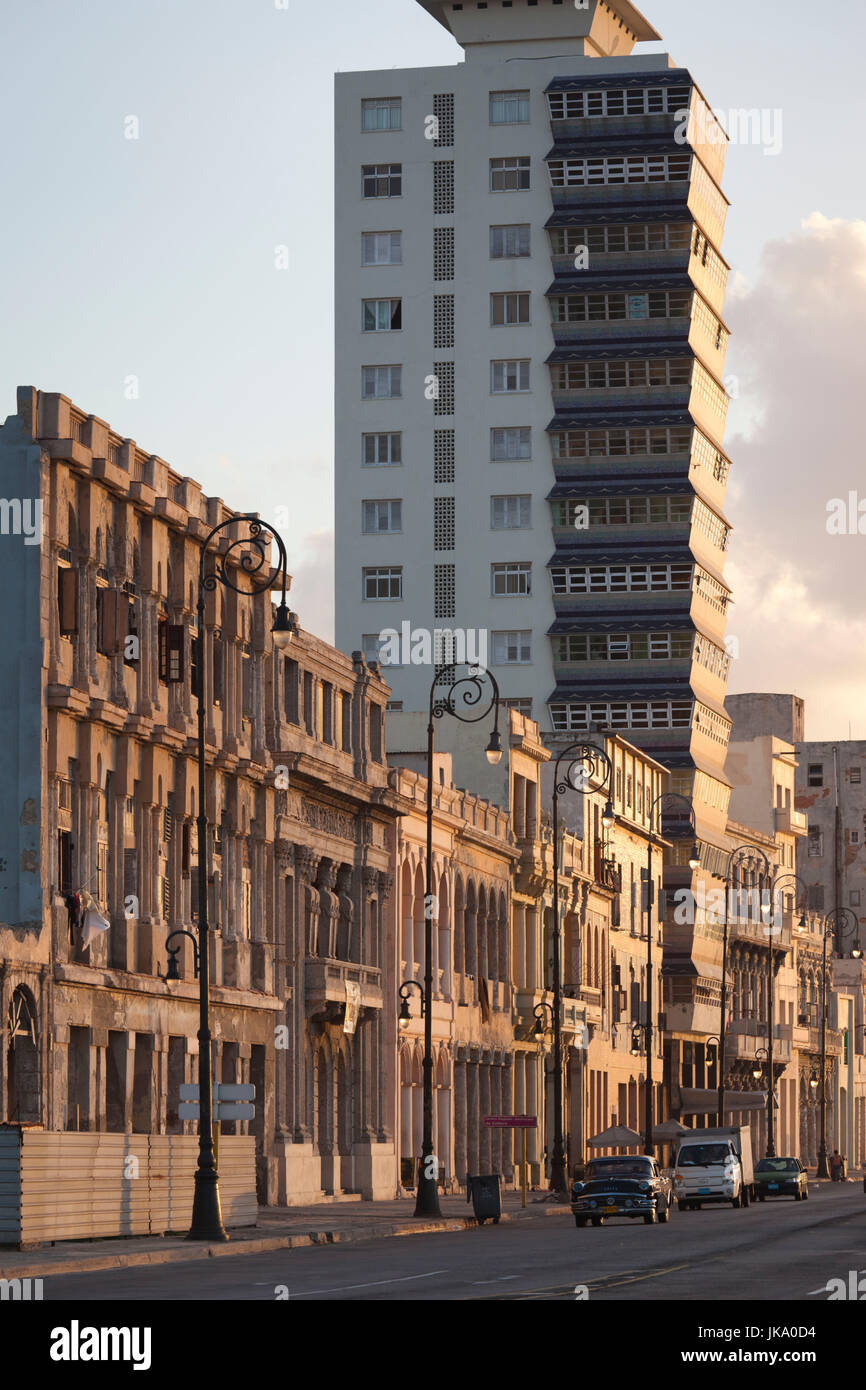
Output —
(619, 1168)
(699, 1155)
(776, 1165)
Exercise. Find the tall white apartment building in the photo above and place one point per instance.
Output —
(529, 356)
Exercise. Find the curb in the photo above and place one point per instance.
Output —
(47, 1267)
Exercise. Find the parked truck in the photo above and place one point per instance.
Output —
(714, 1165)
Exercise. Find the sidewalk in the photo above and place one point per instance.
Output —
(279, 1228)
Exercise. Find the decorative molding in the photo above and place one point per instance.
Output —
(286, 855)
(307, 863)
(328, 819)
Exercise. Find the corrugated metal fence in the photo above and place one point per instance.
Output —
(69, 1186)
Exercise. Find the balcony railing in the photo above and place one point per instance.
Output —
(608, 874)
(790, 822)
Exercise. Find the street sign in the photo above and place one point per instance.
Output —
(222, 1110)
(222, 1090)
(511, 1121)
(228, 1110)
(226, 1096)
(226, 1091)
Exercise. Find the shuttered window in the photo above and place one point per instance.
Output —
(171, 643)
(67, 600)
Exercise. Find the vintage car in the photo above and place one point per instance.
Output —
(781, 1177)
(621, 1186)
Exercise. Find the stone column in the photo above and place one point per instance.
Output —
(472, 1114)
(484, 1132)
(58, 1062)
(510, 1149)
(496, 1135)
(460, 1158)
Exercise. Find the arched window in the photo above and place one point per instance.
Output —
(22, 1059)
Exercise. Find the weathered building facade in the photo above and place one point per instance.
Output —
(603, 938)
(99, 799)
(471, 1005)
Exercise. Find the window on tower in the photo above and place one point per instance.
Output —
(509, 108)
(510, 174)
(381, 113)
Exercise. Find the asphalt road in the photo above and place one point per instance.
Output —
(780, 1249)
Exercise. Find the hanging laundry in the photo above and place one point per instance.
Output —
(93, 923)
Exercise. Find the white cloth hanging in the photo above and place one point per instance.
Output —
(93, 924)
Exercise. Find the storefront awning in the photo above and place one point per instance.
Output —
(695, 1101)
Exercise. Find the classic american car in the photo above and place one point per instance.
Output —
(621, 1186)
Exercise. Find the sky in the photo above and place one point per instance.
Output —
(178, 284)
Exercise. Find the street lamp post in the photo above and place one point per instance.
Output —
(771, 1003)
(666, 803)
(712, 1042)
(764, 1058)
(833, 926)
(251, 553)
(742, 857)
(585, 761)
(465, 698)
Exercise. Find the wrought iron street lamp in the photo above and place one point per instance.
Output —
(839, 923)
(405, 1014)
(674, 806)
(173, 972)
(249, 553)
(637, 1032)
(578, 767)
(742, 860)
(711, 1046)
(543, 1006)
(468, 699)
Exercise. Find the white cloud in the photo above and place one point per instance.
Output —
(312, 592)
(796, 445)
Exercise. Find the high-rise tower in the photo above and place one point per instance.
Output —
(530, 407)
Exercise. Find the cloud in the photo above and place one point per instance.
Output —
(312, 592)
(796, 442)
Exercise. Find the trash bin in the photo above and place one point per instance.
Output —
(486, 1198)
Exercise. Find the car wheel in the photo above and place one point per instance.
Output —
(580, 1222)
(597, 1220)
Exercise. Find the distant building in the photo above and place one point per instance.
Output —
(808, 795)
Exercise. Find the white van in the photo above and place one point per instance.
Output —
(714, 1165)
